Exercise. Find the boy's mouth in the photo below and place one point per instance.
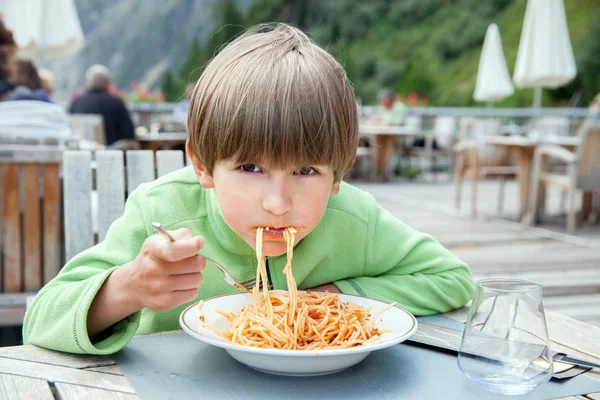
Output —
(274, 233)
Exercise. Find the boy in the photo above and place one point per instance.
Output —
(272, 129)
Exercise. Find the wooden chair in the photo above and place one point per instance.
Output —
(30, 236)
(88, 127)
(98, 202)
(583, 171)
(444, 135)
(474, 160)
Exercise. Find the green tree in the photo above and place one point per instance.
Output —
(171, 87)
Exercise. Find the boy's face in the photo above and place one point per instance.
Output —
(255, 195)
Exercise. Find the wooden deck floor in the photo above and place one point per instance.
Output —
(567, 267)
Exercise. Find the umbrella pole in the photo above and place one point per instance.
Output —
(537, 97)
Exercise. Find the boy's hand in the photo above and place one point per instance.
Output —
(328, 287)
(166, 274)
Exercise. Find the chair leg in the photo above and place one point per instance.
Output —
(474, 162)
(571, 214)
(532, 207)
(458, 176)
(474, 196)
(563, 202)
(501, 195)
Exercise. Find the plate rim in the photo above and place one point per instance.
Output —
(297, 353)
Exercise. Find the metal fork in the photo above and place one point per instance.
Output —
(229, 279)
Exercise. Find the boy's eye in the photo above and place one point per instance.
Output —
(306, 171)
(250, 168)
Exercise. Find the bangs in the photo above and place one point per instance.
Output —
(283, 102)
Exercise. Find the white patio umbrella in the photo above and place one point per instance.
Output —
(493, 79)
(545, 58)
(43, 27)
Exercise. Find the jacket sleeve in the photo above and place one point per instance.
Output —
(125, 125)
(409, 267)
(57, 317)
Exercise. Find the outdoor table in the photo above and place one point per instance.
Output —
(29, 370)
(157, 141)
(524, 148)
(384, 143)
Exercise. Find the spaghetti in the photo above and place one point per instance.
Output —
(290, 320)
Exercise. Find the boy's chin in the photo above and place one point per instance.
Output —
(274, 249)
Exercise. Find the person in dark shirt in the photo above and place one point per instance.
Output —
(97, 100)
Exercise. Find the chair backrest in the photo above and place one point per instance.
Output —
(475, 129)
(95, 189)
(549, 126)
(588, 155)
(444, 129)
(30, 122)
(465, 128)
(88, 127)
(414, 121)
(30, 240)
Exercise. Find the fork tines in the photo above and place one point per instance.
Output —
(249, 284)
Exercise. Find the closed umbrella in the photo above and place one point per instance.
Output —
(493, 79)
(545, 58)
(43, 27)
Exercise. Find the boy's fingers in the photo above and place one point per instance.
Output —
(177, 250)
(186, 266)
(182, 233)
(185, 281)
(184, 296)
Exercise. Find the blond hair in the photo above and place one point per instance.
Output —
(273, 96)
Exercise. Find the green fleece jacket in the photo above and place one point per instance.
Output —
(358, 246)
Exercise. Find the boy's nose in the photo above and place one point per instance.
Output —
(277, 201)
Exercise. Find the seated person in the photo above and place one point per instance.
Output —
(98, 100)
(390, 111)
(27, 83)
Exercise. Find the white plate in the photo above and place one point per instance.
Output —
(294, 362)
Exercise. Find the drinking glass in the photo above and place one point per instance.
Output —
(505, 347)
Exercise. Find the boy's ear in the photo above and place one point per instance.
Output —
(335, 189)
(204, 177)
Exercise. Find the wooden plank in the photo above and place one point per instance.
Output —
(51, 208)
(20, 387)
(168, 161)
(140, 168)
(68, 391)
(30, 154)
(32, 235)
(55, 373)
(109, 369)
(110, 186)
(574, 334)
(580, 307)
(11, 316)
(554, 282)
(571, 398)
(11, 278)
(77, 183)
(530, 256)
(593, 396)
(30, 352)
